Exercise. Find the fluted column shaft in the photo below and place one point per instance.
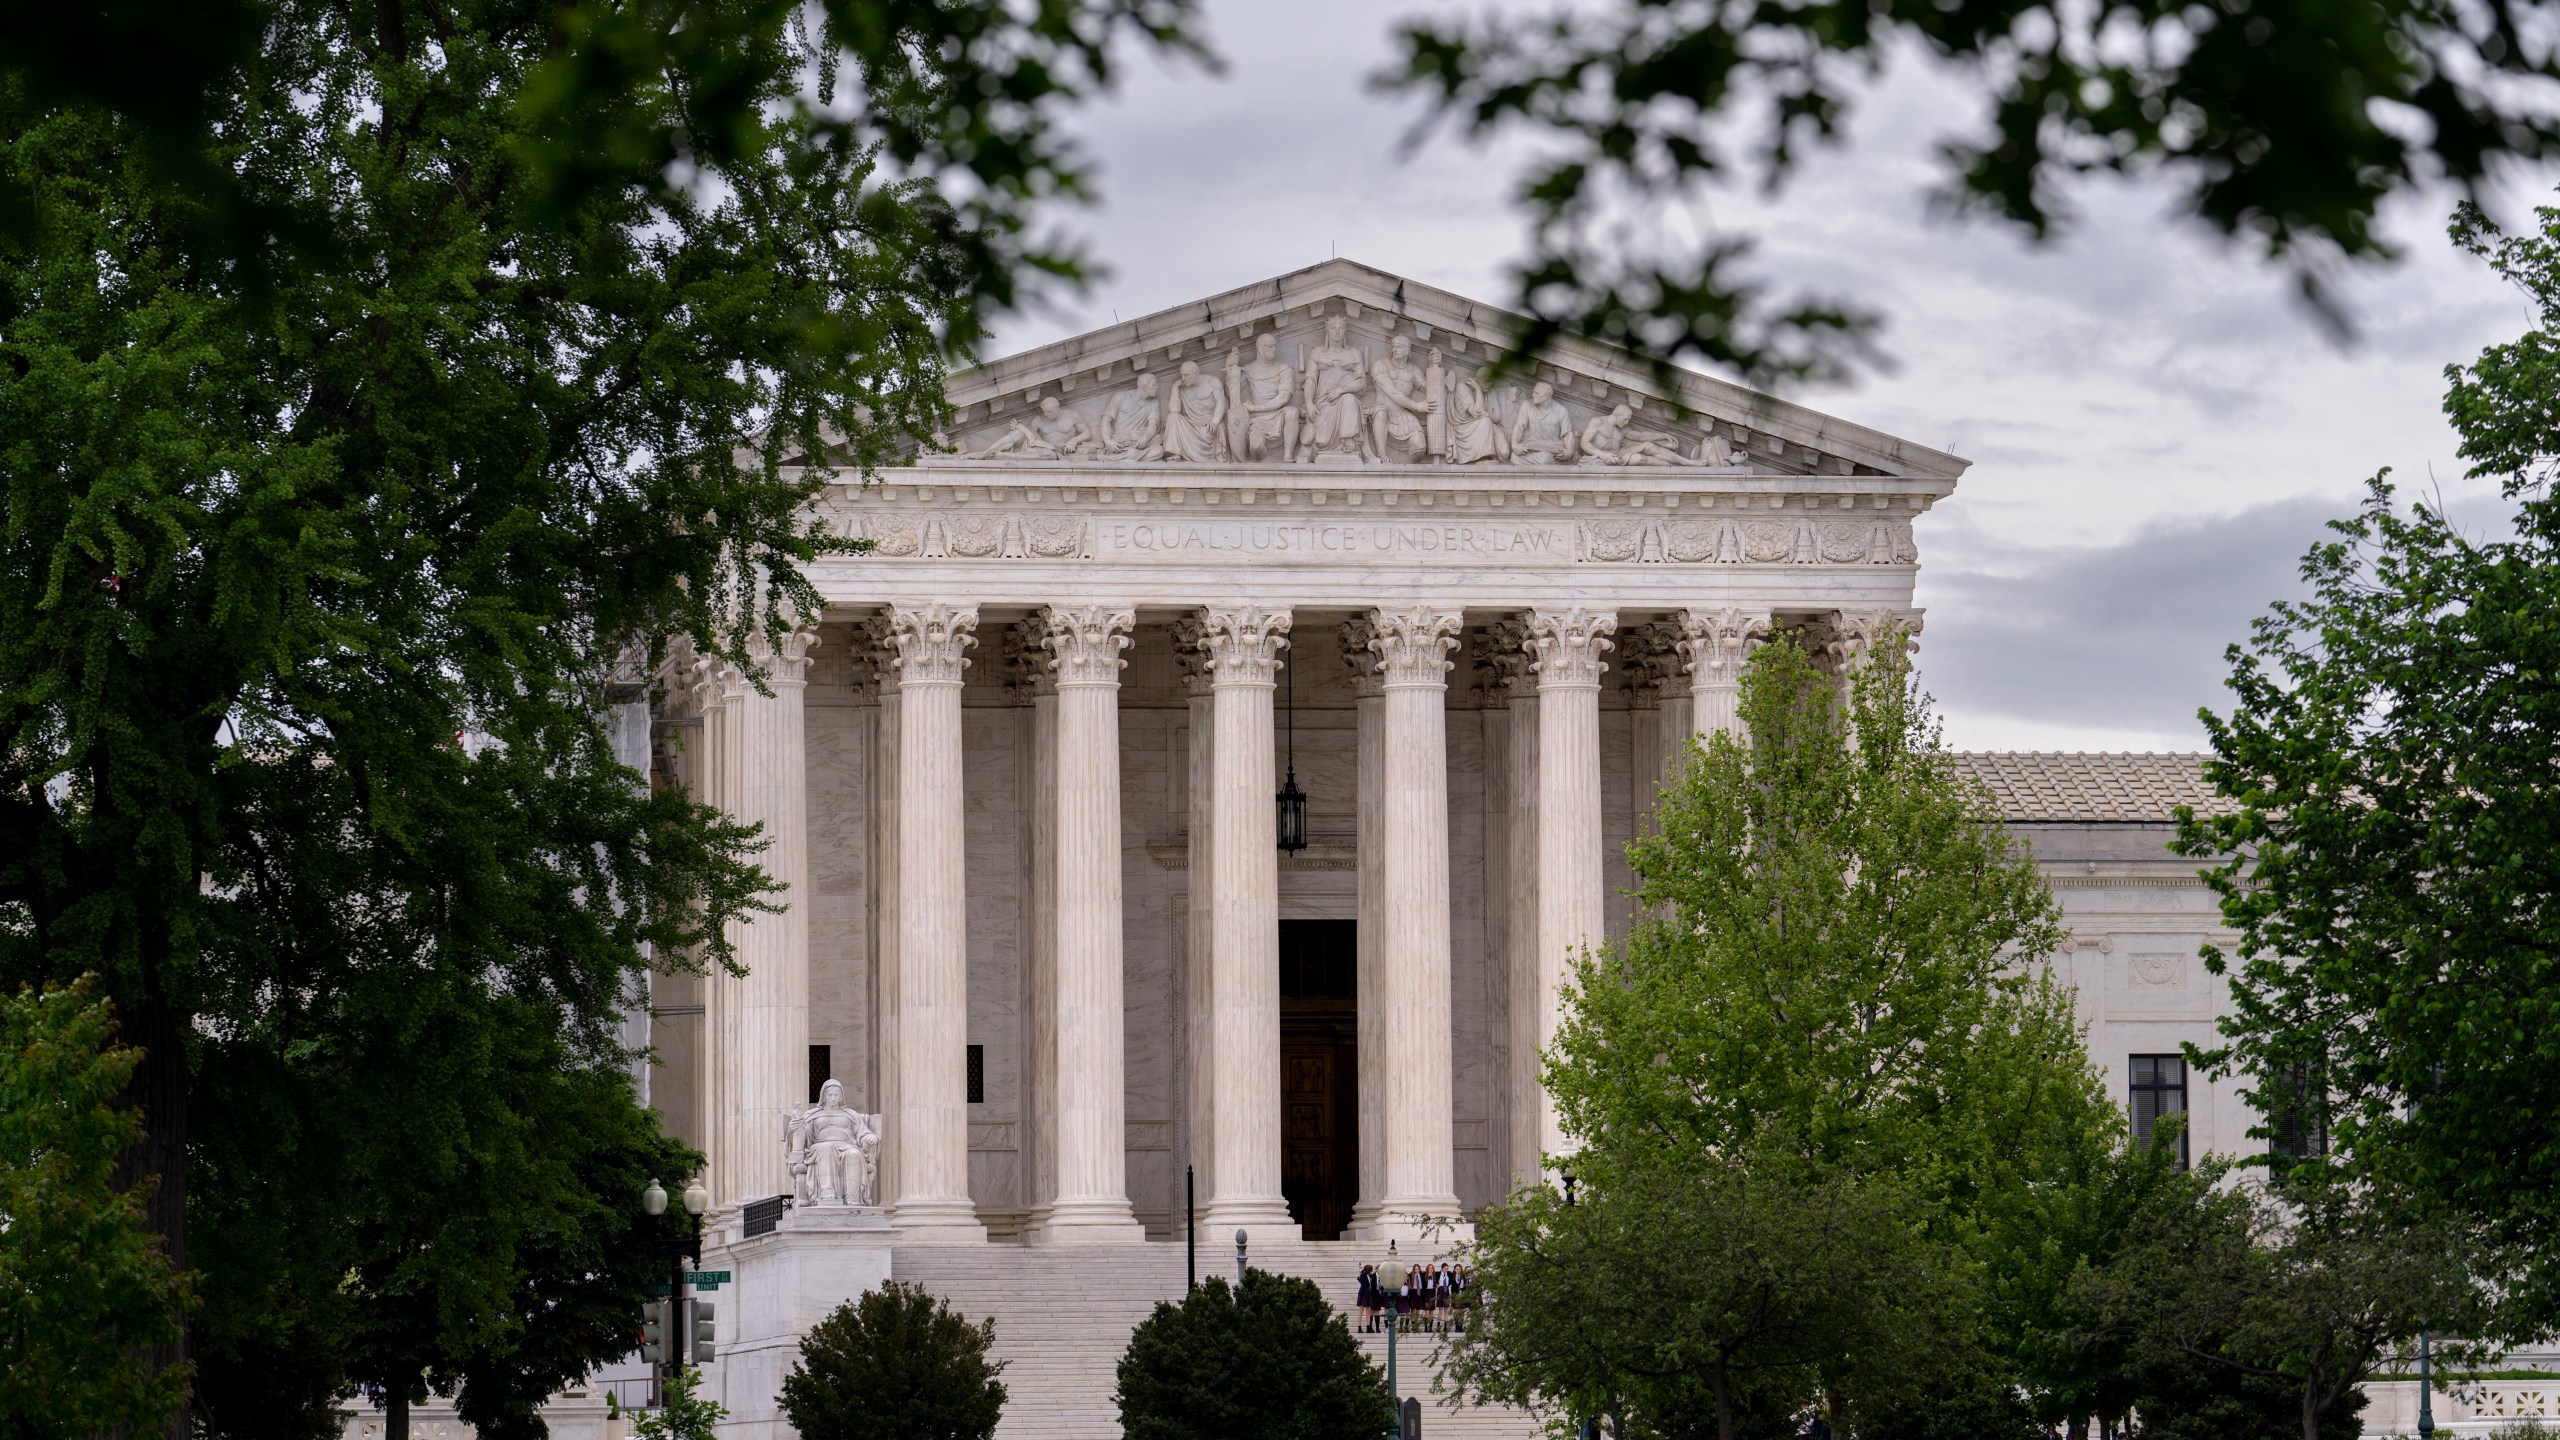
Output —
(1567, 647)
(765, 1012)
(715, 699)
(1412, 646)
(933, 918)
(881, 651)
(1507, 654)
(1369, 709)
(1092, 1203)
(1244, 645)
(1039, 1106)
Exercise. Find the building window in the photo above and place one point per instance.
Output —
(2298, 1128)
(2157, 1086)
(977, 1074)
(822, 1069)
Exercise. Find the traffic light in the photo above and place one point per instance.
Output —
(653, 1332)
(704, 1352)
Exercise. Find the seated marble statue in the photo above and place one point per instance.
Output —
(1608, 441)
(832, 1153)
(1195, 417)
(1055, 433)
(1715, 453)
(1129, 423)
(1542, 433)
(1474, 433)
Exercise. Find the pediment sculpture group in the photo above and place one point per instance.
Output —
(831, 1153)
(1337, 404)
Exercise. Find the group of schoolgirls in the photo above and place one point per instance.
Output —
(1430, 1299)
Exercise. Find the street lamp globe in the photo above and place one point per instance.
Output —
(654, 1199)
(696, 1199)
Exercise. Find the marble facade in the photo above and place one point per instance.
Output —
(1019, 773)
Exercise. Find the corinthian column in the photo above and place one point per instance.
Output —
(1412, 646)
(765, 1012)
(1715, 644)
(1566, 646)
(1507, 655)
(932, 1132)
(1369, 784)
(1244, 645)
(1092, 1204)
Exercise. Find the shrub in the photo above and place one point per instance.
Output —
(1270, 1362)
(895, 1364)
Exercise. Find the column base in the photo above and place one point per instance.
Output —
(937, 1221)
(1264, 1220)
(1089, 1222)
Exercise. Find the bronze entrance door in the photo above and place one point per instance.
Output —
(1319, 1074)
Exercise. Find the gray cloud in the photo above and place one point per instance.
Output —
(2146, 408)
(2123, 642)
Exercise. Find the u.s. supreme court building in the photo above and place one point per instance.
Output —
(1019, 779)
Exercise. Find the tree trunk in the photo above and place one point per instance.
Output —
(159, 1159)
(395, 1414)
(1723, 1384)
(2311, 1410)
(2078, 1429)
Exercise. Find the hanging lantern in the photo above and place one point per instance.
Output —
(1292, 801)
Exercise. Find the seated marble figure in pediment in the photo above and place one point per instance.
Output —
(1343, 365)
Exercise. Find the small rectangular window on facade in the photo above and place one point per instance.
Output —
(822, 1069)
(2156, 1085)
(977, 1074)
(2299, 1128)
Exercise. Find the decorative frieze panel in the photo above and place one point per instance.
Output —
(1285, 539)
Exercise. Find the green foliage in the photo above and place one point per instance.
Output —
(2392, 856)
(682, 1415)
(895, 1363)
(2246, 1306)
(634, 96)
(1717, 1298)
(313, 573)
(1271, 1361)
(1842, 952)
(2269, 119)
(85, 1289)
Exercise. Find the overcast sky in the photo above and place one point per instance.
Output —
(2157, 428)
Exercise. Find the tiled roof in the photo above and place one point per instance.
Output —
(2036, 786)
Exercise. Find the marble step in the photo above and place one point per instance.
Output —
(1063, 1318)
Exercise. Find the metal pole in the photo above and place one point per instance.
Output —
(1190, 1237)
(675, 1311)
(2426, 1389)
(1391, 1282)
(1239, 1260)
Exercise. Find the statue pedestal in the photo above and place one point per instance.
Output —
(781, 1284)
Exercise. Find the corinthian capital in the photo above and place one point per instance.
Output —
(1857, 635)
(1413, 645)
(1716, 643)
(787, 661)
(931, 641)
(1244, 643)
(1649, 653)
(1503, 650)
(1565, 646)
(1359, 659)
(1085, 643)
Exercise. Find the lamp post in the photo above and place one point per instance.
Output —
(1391, 1286)
(2426, 1391)
(676, 1241)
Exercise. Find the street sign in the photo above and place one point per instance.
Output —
(706, 1277)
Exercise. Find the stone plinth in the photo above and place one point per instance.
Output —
(780, 1285)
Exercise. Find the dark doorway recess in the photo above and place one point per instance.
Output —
(1320, 1073)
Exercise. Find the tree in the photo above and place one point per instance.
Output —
(2283, 125)
(1720, 1298)
(893, 1363)
(1269, 1361)
(2298, 1295)
(684, 1416)
(2391, 855)
(323, 549)
(85, 1288)
(1842, 951)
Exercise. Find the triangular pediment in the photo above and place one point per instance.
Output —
(1450, 341)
